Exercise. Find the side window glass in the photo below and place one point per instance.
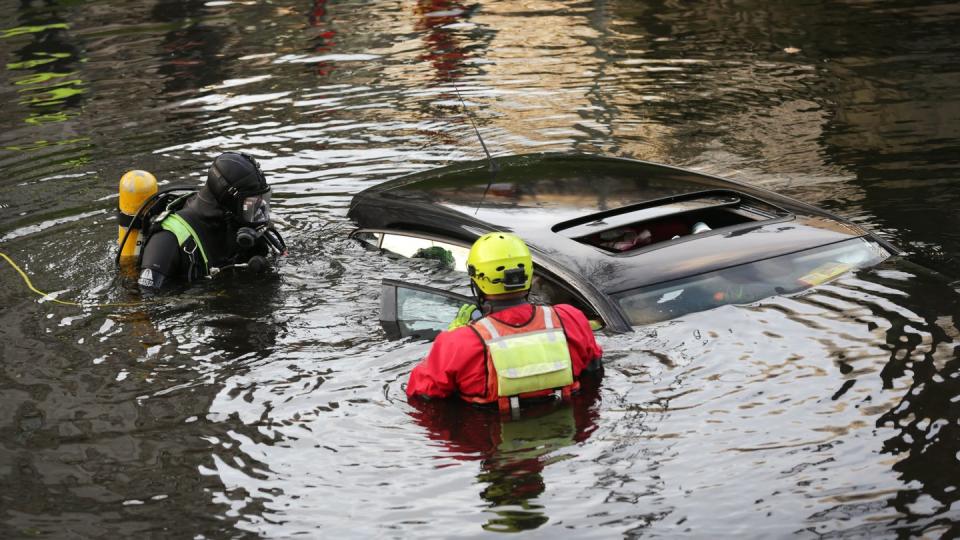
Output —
(412, 247)
(424, 315)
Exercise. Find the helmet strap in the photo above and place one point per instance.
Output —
(477, 293)
(482, 301)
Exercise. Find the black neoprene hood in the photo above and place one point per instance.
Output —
(233, 176)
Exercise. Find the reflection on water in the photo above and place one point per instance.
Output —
(50, 85)
(512, 452)
(273, 408)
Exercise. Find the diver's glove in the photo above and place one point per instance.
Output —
(467, 313)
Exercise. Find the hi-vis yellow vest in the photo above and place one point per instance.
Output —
(527, 361)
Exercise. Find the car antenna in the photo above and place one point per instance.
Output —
(494, 168)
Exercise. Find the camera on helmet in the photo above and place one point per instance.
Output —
(514, 278)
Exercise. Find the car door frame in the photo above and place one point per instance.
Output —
(388, 304)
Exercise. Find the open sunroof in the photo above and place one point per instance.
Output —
(653, 222)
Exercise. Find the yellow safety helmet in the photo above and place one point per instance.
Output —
(500, 263)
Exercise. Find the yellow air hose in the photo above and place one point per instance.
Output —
(135, 187)
(47, 296)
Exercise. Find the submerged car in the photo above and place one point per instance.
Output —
(626, 241)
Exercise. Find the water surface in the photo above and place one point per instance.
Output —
(275, 407)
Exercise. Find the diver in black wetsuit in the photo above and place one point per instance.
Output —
(226, 224)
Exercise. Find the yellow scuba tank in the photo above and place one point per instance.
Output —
(135, 188)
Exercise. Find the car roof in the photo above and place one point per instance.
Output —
(540, 196)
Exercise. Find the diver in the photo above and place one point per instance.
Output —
(226, 224)
(511, 350)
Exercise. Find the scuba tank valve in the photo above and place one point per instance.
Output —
(135, 188)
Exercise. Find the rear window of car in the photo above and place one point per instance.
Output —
(750, 282)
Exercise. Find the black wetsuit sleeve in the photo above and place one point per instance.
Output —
(160, 262)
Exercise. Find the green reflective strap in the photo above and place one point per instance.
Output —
(531, 361)
(179, 227)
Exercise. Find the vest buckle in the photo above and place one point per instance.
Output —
(509, 405)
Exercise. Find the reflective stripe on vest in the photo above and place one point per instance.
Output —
(528, 359)
(182, 230)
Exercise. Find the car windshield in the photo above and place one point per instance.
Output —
(748, 282)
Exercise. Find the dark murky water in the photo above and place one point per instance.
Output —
(251, 408)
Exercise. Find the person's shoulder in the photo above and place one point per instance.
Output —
(571, 313)
(458, 334)
(466, 331)
(456, 342)
(161, 240)
(567, 309)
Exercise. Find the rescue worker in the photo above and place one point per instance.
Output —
(515, 350)
(226, 224)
